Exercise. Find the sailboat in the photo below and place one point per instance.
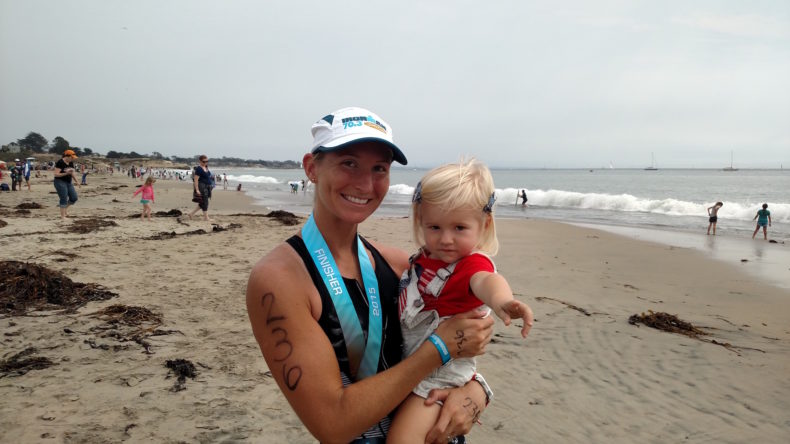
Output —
(652, 166)
(730, 168)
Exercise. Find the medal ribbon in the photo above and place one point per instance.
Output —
(361, 355)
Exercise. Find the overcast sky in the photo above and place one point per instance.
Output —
(514, 83)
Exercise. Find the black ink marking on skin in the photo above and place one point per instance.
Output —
(472, 408)
(460, 339)
(282, 343)
(291, 377)
(282, 346)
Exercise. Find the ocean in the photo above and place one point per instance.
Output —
(674, 200)
(667, 206)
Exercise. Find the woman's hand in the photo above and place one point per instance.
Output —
(466, 334)
(461, 408)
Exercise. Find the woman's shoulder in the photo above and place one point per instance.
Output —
(395, 257)
(281, 259)
(282, 271)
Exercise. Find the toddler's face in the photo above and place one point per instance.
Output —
(451, 235)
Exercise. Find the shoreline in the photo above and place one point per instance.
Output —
(763, 259)
(584, 374)
(760, 258)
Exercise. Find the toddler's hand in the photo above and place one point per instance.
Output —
(516, 309)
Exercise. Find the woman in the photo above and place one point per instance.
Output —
(64, 176)
(338, 363)
(201, 181)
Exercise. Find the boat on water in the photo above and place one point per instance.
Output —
(730, 168)
(652, 166)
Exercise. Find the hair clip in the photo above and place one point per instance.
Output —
(417, 196)
(490, 205)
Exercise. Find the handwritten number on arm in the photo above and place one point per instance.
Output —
(282, 344)
(283, 347)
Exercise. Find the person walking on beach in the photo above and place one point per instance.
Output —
(453, 220)
(65, 178)
(16, 176)
(323, 305)
(202, 183)
(763, 220)
(26, 173)
(712, 216)
(523, 196)
(147, 197)
(224, 181)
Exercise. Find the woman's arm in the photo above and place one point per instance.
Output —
(195, 179)
(60, 172)
(303, 362)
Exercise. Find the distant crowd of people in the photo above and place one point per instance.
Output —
(67, 174)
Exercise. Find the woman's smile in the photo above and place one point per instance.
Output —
(355, 200)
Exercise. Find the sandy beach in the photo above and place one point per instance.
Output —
(584, 374)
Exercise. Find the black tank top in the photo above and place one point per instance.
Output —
(391, 339)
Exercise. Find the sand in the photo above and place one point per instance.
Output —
(584, 374)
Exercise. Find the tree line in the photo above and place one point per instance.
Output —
(36, 143)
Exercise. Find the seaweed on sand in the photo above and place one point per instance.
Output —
(120, 314)
(283, 217)
(29, 206)
(171, 213)
(214, 229)
(183, 369)
(666, 322)
(670, 323)
(26, 287)
(87, 225)
(22, 362)
(130, 323)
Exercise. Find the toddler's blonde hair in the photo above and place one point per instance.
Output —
(150, 180)
(466, 184)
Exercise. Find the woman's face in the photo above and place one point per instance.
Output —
(350, 184)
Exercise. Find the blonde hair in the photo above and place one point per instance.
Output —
(466, 184)
(150, 180)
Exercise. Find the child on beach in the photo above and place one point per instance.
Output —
(763, 220)
(453, 220)
(712, 211)
(147, 197)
